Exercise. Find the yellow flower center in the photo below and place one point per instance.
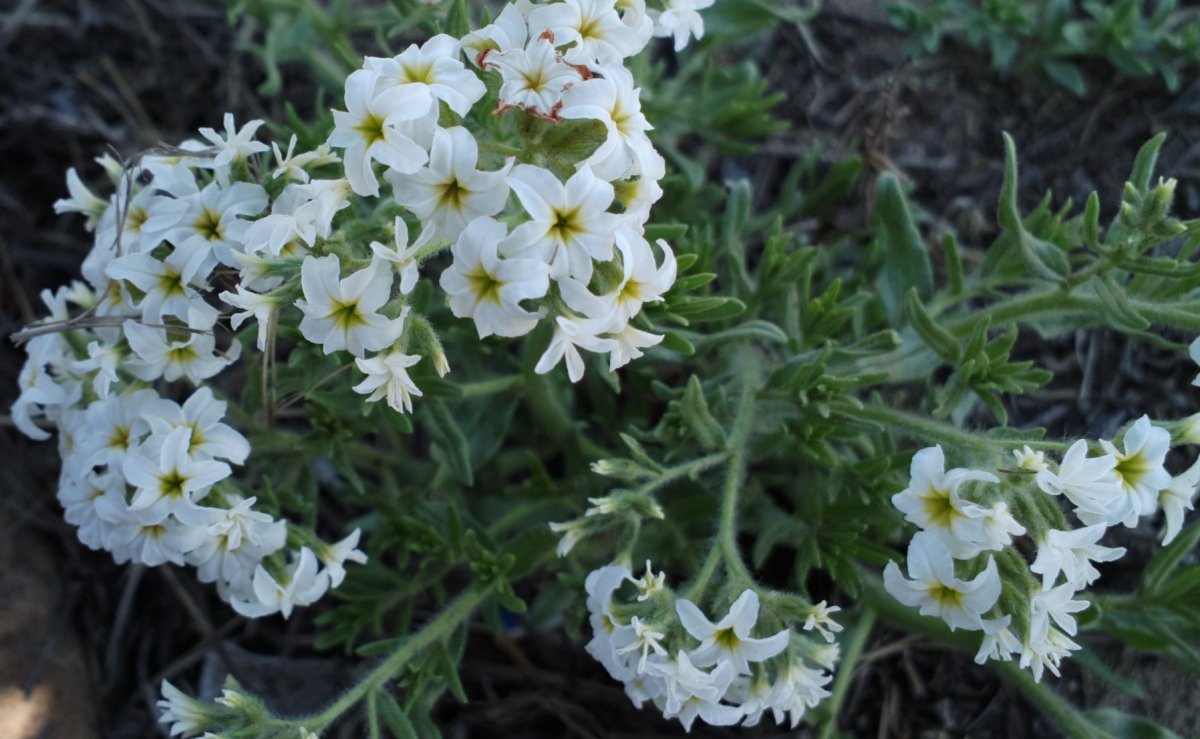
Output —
(347, 315)
(945, 596)
(370, 128)
(726, 639)
(1132, 469)
(208, 225)
(485, 287)
(939, 509)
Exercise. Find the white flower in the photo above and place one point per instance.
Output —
(342, 313)
(999, 527)
(434, 70)
(999, 642)
(592, 26)
(1072, 553)
(612, 100)
(1054, 605)
(729, 640)
(1030, 460)
(932, 501)
(292, 165)
(103, 360)
(1047, 652)
(1141, 471)
(237, 145)
(572, 532)
(820, 618)
(509, 31)
(533, 78)
(201, 414)
(114, 425)
(600, 585)
(299, 585)
(1088, 482)
(646, 639)
(650, 583)
(569, 224)
(335, 557)
(81, 201)
(681, 20)
(451, 192)
(185, 714)
(1177, 497)
(79, 497)
(212, 219)
(369, 130)
(173, 483)
(404, 257)
(644, 280)
(692, 692)
(796, 690)
(387, 377)
(300, 215)
(193, 356)
(236, 543)
(628, 344)
(167, 284)
(263, 307)
(488, 289)
(935, 589)
(570, 335)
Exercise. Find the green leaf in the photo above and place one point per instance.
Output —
(905, 259)
(1125, 726)
(395, 718)
(1165, 560)
(449, 444)
(669, 232)
(954, 270)
(1087, 659)
(935, 337)
(1143, 164)
(1045, 259)
(458, 20)
(676, 343)
(1067, 75)
(1116, 305)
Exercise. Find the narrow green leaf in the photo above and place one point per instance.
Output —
(1165, 560)
(458, 20)
(905, 258)
(954, 270)
(449, 444)
(395, 718)
(935, 337)
(1091, 224)
(1116, 304)
(1125, 726)
(1143, 164)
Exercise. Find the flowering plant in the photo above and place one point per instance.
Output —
(493, 202)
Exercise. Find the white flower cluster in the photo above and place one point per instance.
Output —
(570, 253)
(141, 474)
(1025, 608)
(668, 652)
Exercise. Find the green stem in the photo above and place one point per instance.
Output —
(852, 646)
(725, 549)
(1063, 714)
(904, 366)
(435, 630)
(928, 429)
(490, 387)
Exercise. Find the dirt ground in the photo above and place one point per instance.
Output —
(84, 643)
